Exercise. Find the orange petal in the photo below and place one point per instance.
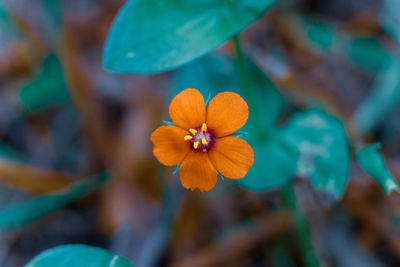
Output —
(188, 109)
(169, 146)
(232, 157)
(226, 113)
(196, 171)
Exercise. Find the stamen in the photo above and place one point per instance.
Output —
(193, 131)
(204, 141)
(188, 137)
(204, 127)
(196, 144)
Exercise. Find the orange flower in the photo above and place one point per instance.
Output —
(201, 141)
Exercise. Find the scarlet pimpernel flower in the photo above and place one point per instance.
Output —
(201, 140)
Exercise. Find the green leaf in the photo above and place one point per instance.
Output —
(367, 52)
(18, 214)
(322, 35)
(384, 98)
(324, 151)
(273, 168)
(151, 36)
(371, 160)
(46, 89)
(78, 255)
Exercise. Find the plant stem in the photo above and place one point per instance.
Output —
(246, 80)
(301, 227)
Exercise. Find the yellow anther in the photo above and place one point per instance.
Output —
(196, 144)
(204, 127)
(193, 131)
(204, 141)
(188, 137)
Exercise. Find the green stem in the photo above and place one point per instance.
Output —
(167, 207)
(245, 77)
(246, 80)
(301, 227)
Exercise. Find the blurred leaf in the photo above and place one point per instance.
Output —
(373, 163)
(18, 214)
(273, 168)
(78, 255)
(367, 52)
(47, 89)
(324, 151)
(383, 98)
(390, 18)
(320, 34)
(144, 38)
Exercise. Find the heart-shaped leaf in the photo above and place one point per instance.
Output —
(324, 151)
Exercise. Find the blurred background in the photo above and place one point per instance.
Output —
(63, 117)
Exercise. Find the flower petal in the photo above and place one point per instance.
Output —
(169, 146)
(188, 109)
(232, 157)
(196, 171)
(226, 113)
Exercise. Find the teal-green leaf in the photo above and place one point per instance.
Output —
(77, 255)
(46, 89)
(19, 214)
(322, 142)
(151, 36)
(383, 99)
(366, 52)
(322, 35)
(371, 160)
(273, 168)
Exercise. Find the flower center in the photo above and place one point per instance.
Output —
(200, 138)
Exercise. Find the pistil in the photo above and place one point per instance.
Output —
(201, 138)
